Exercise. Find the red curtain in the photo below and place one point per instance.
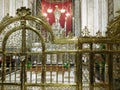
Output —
(50, 16)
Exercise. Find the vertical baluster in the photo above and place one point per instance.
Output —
(10, 70)
(100, 71)
(15, 67)
(63, 67)
(110, 68)
(91, 68)
(106, 71)
(20, 69)
(75, 71)
(45, 67)
(51, 58)
(1, 64)
(40, 68)
(5, 67)
(36, 68)
(32, 68)
(27, 67)
(3, 70)
(57, 70)
(94, 70)
(79, 67)
(69, 68)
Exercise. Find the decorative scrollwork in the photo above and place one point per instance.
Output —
(114, 27)
(85, 32)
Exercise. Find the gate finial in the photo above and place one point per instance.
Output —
(23, 11)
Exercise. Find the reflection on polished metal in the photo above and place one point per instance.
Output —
(39, 61)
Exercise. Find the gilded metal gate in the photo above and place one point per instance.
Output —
(32, 59)
(29, 58)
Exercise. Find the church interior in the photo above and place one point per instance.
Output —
(59, 45)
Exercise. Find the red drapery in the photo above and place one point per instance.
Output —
(50, 16)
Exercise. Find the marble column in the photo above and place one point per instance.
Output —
(90, 16)
(96, 17)
(104, 17)
(84, 13)
(77, 17)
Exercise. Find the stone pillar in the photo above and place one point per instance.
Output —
(104, 16)
(84, 13)
(100, 15)
(96, 17)
(38, 6)
(77, 17)
(90, 16)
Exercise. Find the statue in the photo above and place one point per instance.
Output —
(57, 13)
(57, 28)
(56, 25)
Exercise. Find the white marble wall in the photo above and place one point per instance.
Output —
(116, 7)
(1, 9)
(94, 15)
(77, 18)
(10, 6)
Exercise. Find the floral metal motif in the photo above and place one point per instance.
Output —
(85, 32)
(98, 34)
(23, 11)
(114, 27)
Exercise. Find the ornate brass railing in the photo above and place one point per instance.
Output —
(44, 63)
